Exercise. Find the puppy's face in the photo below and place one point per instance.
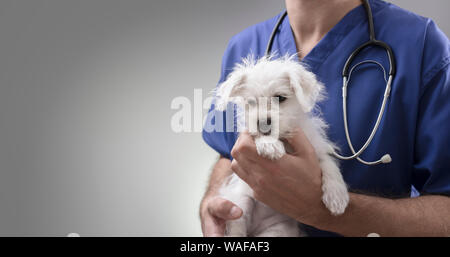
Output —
(270, 104)
(273, 94)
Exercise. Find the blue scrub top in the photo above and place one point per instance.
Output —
(415, 129)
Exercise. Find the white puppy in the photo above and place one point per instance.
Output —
(276, 96)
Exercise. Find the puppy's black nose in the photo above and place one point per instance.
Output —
(265, 126)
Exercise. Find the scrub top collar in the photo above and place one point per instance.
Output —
(313, 60)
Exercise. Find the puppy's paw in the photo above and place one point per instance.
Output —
(270, 147)
(335, 197)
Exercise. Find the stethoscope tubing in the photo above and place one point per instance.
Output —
(346, 75)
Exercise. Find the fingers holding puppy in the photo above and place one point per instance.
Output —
(244, 156)
(247, 164)
(244, 147)
(243, 173)
(216, 212)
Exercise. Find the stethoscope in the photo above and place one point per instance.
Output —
(346, 75)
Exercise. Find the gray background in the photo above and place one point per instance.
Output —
(85, 92)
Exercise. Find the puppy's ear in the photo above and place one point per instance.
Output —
(229, 89)
(308, 90)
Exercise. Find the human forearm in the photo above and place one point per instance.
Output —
(293, 185)
(421, 216)
(220, 171)
(214, 210)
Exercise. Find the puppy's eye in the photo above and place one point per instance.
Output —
(281, 98)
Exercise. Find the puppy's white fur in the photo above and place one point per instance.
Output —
(248, 85)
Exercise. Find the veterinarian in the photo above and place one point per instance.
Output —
(408, 196)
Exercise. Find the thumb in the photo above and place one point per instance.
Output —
(224, 209)
(300, 143)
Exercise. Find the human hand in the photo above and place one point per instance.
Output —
(290, 185)
(214, 212)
